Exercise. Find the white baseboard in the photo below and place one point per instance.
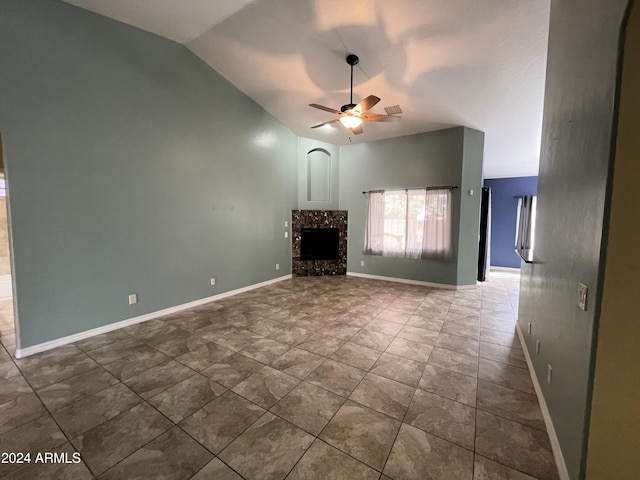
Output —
(412, 282)
(505, 269)
(553, 437)
(5, 286)
(42, 347)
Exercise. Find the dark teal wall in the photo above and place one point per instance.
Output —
(132, 167)
(575, 163)
(414, 161)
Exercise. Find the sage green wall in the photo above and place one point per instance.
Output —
(132, 167)
(580, 96)
(445, 157)
(472, 155)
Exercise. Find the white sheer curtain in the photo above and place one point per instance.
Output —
(436, 243)
(415, 222)
(374, 230)
(412, 223)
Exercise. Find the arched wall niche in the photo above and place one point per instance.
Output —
(318, 175)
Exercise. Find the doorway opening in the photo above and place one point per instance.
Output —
(7, 323)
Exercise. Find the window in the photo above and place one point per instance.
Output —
(409, 223)
(526, 227)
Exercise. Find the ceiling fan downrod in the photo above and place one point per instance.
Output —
(351, 60)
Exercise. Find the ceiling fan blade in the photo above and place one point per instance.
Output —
(366, 104)
(357, 130)
(326, 109)
(373, 117)
(326, 123)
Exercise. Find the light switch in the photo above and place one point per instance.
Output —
(583, 290)
(286, 234)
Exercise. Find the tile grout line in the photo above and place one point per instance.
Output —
(284, 419)
(50, 414)
(143, 400)
(342, 405)
(316, 437)
(475, 414)
(402, 422)
(299, 381)
(369, 371)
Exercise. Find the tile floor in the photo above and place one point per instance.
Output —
(310, 378)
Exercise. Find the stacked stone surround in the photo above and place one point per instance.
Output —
(318, 219)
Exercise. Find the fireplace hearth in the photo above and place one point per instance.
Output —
(319, 242)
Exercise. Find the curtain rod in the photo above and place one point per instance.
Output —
(441, 187)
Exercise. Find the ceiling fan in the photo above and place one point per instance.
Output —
(352, 115)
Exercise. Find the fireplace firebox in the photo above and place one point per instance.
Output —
(319, 244)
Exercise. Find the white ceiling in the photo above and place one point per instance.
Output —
(446, 63)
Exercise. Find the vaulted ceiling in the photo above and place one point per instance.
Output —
(446, 63)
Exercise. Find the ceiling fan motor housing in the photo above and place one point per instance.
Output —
(352, 59)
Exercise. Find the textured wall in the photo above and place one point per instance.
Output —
(572, 192)
(504, 215)
(614, 434)
(133, 168)
(414, 161)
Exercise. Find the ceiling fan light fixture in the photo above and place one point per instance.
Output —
(352, 115)
(350, 121)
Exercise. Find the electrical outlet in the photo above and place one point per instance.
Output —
(286, 234)
(213, 281)
(538, 347)
(133, 298)
(549, 372)
(529, 328)
(277, 266)
(583, 290)
(286, 224)
(362, 263)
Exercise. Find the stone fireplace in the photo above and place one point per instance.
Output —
(319, 242)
